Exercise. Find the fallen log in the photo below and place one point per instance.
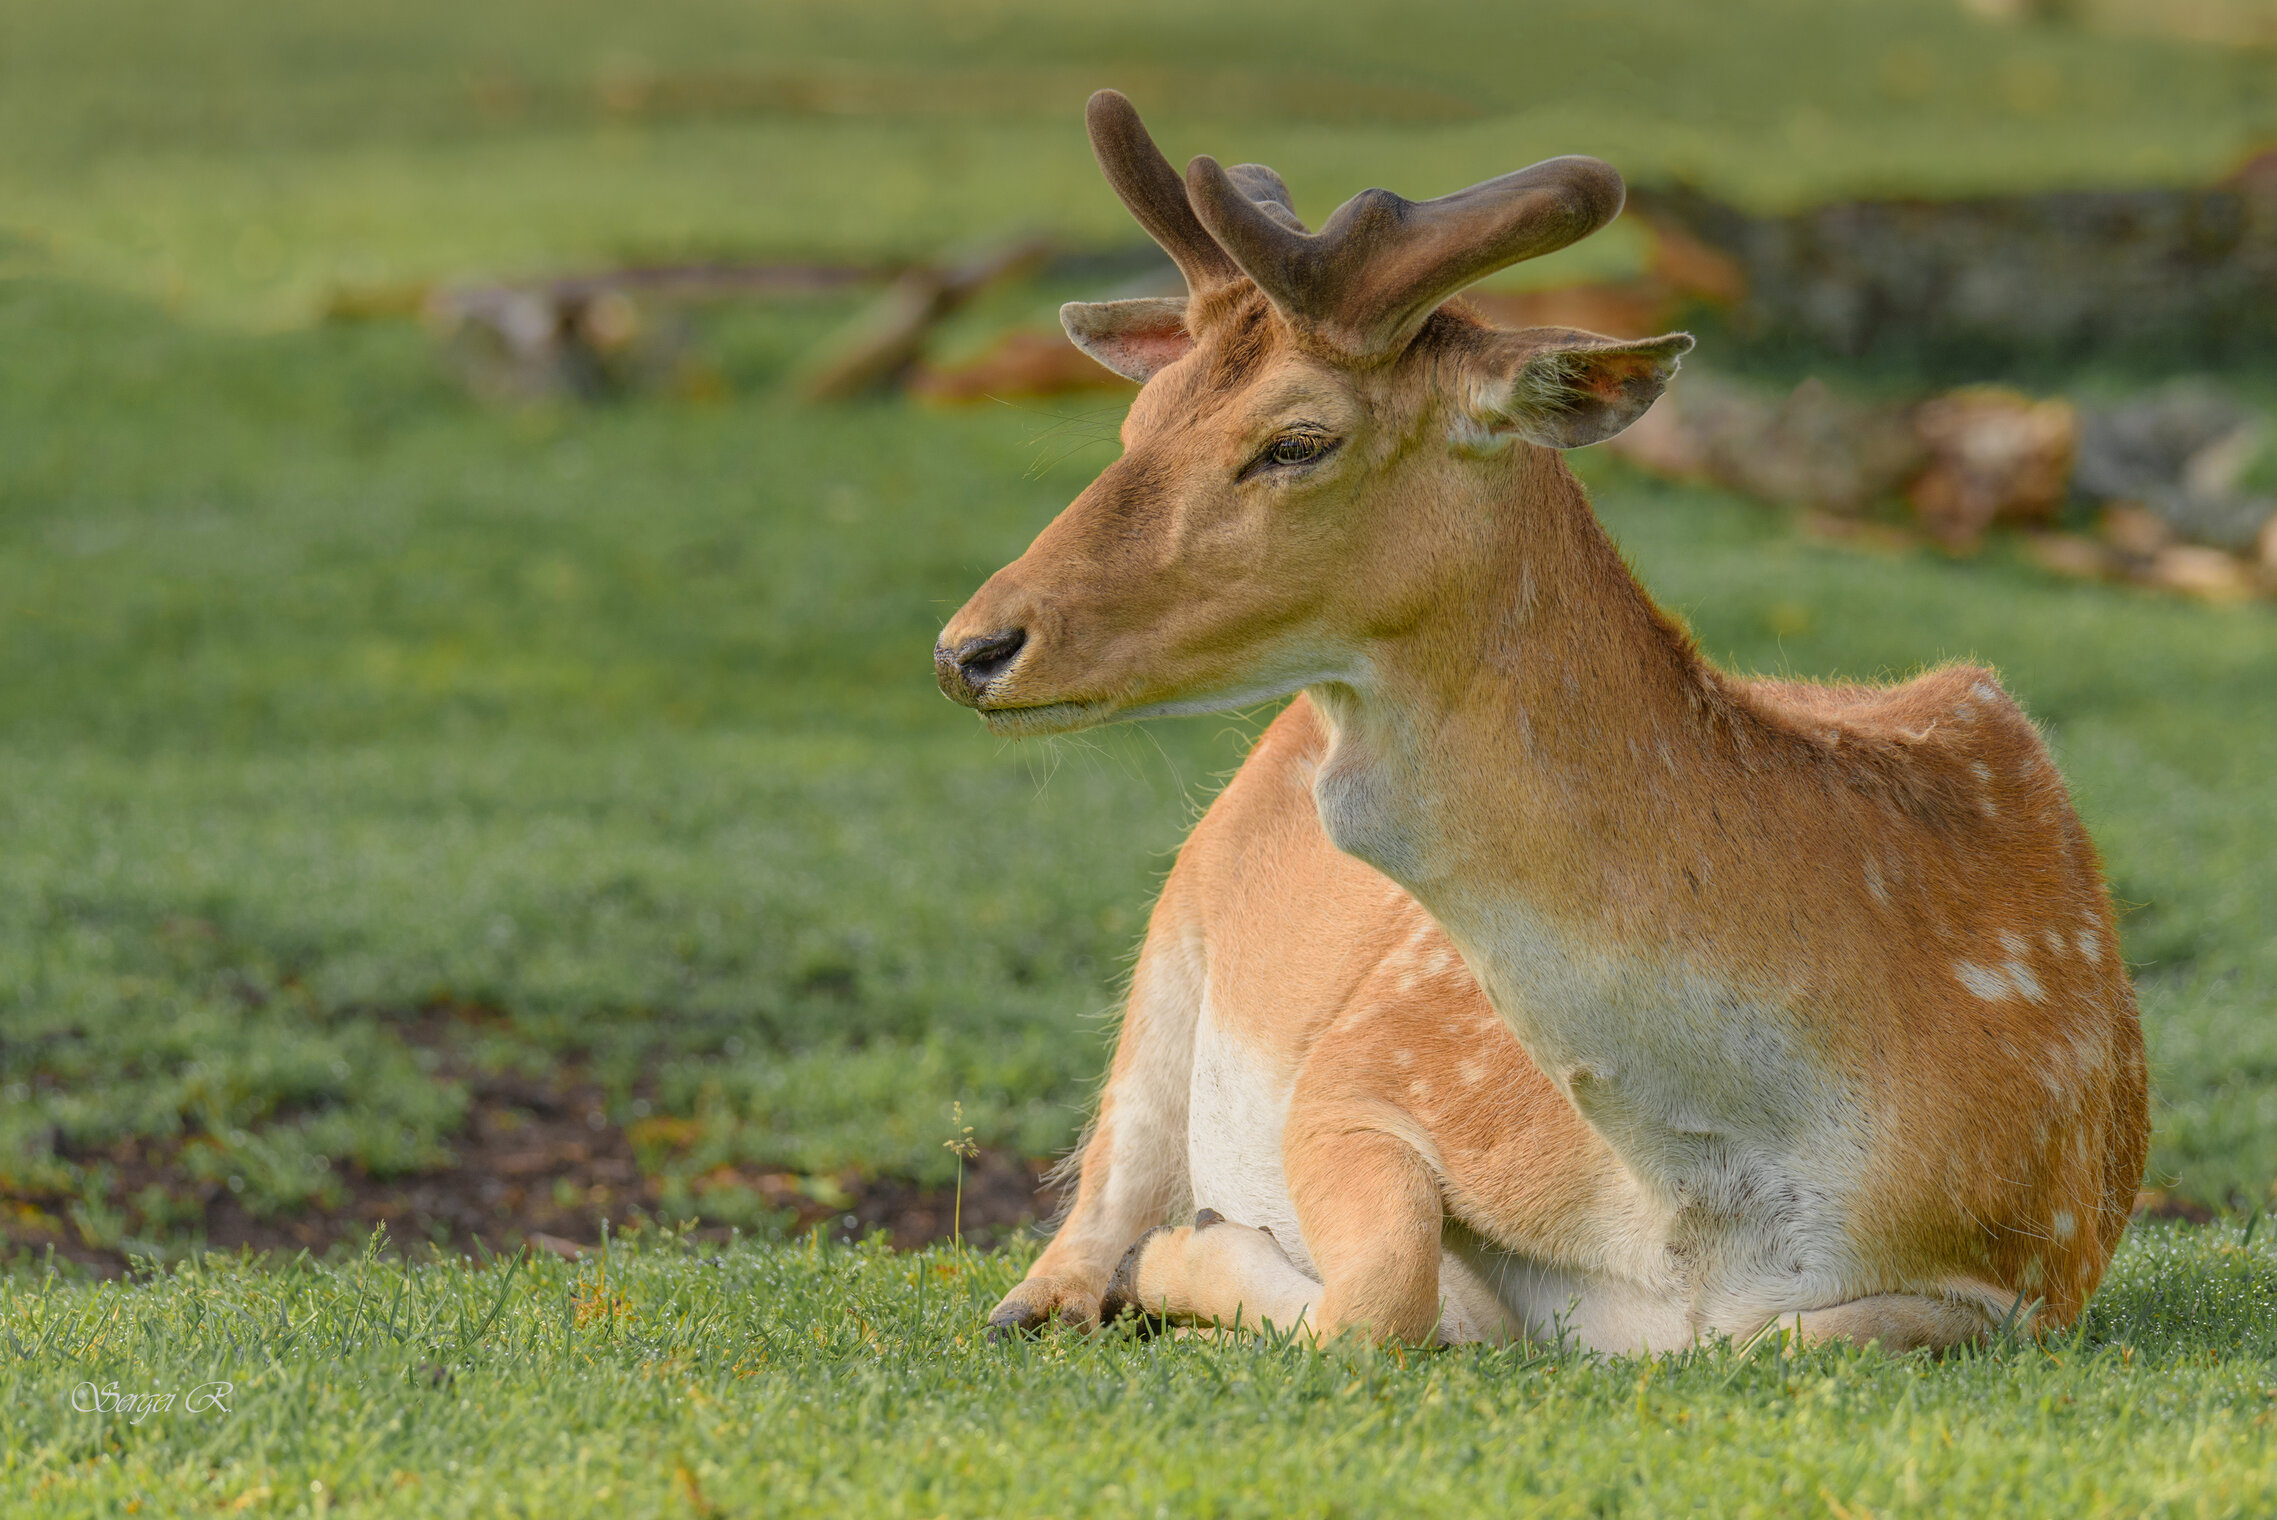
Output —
(884, 343)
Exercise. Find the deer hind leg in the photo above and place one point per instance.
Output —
(1371, 1215)
(1133, 1162)
(1897, 1322)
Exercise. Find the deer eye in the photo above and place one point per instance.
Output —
(1295, 449)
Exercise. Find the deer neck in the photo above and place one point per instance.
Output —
(1538, 703)
(1533, 760)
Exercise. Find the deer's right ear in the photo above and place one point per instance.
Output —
(1135, 339)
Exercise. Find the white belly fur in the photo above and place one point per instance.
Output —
(1550, 1304)
(1238, 1108)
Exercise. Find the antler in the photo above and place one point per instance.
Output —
(1381, 265)
(1156, 195)
(1367, 280)
(1153, 191)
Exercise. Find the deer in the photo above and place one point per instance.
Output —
(1532, 977)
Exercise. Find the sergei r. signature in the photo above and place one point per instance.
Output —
(206, 1398)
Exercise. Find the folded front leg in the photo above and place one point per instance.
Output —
(1212, 1272)
(1371, 1216)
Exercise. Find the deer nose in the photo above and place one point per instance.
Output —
(974, 663)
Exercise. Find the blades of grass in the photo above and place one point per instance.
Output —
(1746, 1353)
(499, 1303)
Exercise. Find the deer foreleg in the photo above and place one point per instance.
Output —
(1133, 1168)
(1371, 1215)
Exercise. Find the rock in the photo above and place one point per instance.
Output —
(1810, 448)
(1994, 456)
(2181, 452)
(2070, 270)
(1628, 309)
(2073, 554)
(2135, 531)
(2198, 571)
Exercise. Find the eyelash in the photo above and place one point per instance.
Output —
(1315, 445)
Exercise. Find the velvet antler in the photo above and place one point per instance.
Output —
(1153, 191)
(1365, 283)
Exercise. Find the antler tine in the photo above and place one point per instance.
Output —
(1269, 191)
(1381, 265)
(1152, 190)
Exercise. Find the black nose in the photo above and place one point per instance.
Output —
(983, 659)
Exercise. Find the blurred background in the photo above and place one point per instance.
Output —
(479, 482)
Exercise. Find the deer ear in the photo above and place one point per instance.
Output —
(1135, 338)
(1562, 389)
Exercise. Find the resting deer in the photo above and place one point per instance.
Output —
(1532, 976)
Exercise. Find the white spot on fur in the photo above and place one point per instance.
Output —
(2011, 979)
(1403, 1058)
(1989, 985)
(1472, 1071)
(1965, 712)
(1985, 691)
(2090, 944)
(2055, 942)
(1874, 881)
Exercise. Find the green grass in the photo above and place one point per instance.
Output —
(672, 1380)
(360, 745)
(241, 159)
(331, 702)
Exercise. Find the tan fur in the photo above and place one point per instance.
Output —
(1530, 960)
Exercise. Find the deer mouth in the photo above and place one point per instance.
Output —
(1042, 718)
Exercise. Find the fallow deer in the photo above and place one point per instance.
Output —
(1532, 976)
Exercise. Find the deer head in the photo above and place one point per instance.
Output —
(1322, 450)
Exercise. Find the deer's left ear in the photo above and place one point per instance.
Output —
(1133, 338)
(1562, 389)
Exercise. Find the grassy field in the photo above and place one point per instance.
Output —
(671, 1380)
(239, 161)
(547, 812)
(365, 749)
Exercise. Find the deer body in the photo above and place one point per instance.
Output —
(1533, 976)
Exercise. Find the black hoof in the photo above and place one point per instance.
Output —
(1122, 1290)
(1010, 1321)
(1204, 1218)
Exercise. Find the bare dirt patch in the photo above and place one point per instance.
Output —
(536, 1162)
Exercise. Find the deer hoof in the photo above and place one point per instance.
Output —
(1034, 1305)
(1015, 1317)
(1122, 1289)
